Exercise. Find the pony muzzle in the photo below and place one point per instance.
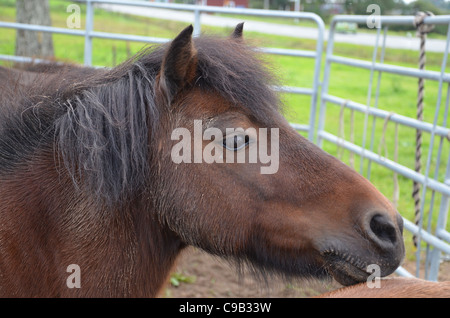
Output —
(380, 245)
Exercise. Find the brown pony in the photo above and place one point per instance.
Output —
(395, 287)
(87, 178)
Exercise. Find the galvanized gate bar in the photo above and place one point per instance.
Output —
(377, 93)
(390, 19)
(387, 68)
(425, 236)
(93, 34)
(404, 171)
(41, 28)
(288, 52)
(88, 30)
(383, 114)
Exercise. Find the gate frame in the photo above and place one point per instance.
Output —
(440, 240)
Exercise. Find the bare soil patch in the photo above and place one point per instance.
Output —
(199, 274)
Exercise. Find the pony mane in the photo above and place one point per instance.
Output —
(102, 122)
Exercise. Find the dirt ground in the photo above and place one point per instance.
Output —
(201, 275)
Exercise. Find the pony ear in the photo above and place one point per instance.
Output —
(237, 33)
(179, 65)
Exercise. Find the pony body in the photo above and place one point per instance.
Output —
(87, 178)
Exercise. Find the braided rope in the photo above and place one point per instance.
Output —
(422, 30)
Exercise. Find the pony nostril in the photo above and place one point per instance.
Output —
(383, 229)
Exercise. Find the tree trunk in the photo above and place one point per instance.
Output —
(32, 43)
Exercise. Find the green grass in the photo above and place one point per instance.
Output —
(177, 278)
(397, 94)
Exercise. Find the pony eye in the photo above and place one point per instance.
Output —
(235, 142)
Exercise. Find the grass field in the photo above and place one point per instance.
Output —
(397, 94)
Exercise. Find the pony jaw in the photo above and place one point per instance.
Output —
(347, 268)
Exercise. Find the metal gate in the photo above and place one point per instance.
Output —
(89, 34)
(435, 182)
(431, 228)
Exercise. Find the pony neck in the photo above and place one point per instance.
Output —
(157, 249)
(121, 252)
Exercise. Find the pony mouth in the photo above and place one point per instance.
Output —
(345, 268)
